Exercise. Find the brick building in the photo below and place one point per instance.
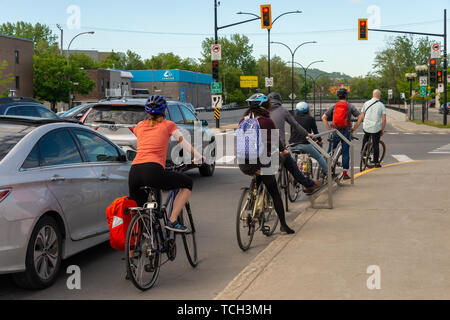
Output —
(18, 53)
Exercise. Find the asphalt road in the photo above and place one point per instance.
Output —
(214, 203)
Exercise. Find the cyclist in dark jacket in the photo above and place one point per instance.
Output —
(304, 118)
(280, 116)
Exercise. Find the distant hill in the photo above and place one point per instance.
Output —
(332, 75)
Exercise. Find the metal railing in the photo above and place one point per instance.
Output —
(329, 163)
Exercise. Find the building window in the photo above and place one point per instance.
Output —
(17, 82)
(16, 56)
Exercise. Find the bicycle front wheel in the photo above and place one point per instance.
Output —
(245, 226)
(382, 151)
(143, 256)
(270, 216)
(364, 157)
(293, 188)
(189, 239)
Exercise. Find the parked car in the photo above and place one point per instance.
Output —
(25, 107)
(441, 109)
(190, 107)
(77, 112)
(56, 180)
(116, 119)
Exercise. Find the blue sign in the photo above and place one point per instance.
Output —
(170, 76)
(182, 99)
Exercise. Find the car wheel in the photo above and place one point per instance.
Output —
(43, 259)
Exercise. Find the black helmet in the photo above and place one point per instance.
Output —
(342, 93)
(275, 96)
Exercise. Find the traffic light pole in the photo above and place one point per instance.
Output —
(444, 35)
(269, 89)
(216, 41)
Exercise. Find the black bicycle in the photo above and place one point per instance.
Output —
(148, 239)
(367, 154)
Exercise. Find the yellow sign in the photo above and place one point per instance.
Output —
(249, 82)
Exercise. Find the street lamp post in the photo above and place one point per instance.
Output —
(62, 37)
(306, 69)
(411, 78)
(268, 31)
(293, 68)
(68, 57)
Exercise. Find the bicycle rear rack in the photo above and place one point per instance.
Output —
(314, 197)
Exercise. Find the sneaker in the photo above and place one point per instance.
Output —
(345, 176)
(286, 229)
(177, 227)
(317, 185)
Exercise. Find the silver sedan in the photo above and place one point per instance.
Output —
(56, 181)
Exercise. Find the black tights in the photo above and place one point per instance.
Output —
(272, 187)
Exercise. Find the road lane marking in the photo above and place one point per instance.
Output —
(402, 157)
(394, 133)
(224, 167)
(226, 159)
(385, 166)
(442, 150)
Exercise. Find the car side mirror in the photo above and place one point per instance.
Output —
(205, 123)
(131, 155)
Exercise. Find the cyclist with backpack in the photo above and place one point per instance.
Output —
(280, 116)
(373, 116)
(148, 168)
(341, 114)
(250, 149)
(304, 118)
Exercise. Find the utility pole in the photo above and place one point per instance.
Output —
(61, 38)
(445, 68)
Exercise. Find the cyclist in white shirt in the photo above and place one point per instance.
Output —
(373, 117)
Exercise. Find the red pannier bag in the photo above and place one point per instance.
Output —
(340, 116)
(118, 221)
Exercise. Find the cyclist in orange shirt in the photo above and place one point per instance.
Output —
(148, 168)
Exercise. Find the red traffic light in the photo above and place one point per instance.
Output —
(439, 73)
(265, 10)
(363, 23)
(215, 63)
(433, 62)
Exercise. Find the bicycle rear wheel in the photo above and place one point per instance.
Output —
(283, 181)
(245, 226)
(382, 151)
(293, 188)
(189, 239)
(364, 157)
(142, 250)
(270, 216)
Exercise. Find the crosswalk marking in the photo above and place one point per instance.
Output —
(226, 159)
(442, 150)
(401, 157)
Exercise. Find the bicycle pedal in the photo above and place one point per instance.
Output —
(265, 229)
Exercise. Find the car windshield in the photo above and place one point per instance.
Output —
(112, 114)
(72, 111)
(10, 135)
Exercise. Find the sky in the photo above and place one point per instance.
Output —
(150, 27)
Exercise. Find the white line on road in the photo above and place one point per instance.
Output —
(394, 133)
(226, 159)
(222, 167)
(401, 157)
(439, 152)
(442, 150)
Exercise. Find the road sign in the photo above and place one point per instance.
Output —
(249, 82)
(269, 82)
(423, 81)
(402, 96)
(217, 101)
(435, 51)
(390, 93)
(423, 92)
(216, 52)
(292, 96)
(440, 88)
(216, 87)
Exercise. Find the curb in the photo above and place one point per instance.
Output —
(245, 278)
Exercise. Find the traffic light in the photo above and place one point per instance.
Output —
(363, 29)
(439, 76)
(215, 70)
(266, 16)
(433, 73)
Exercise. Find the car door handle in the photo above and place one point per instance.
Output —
(104, 178)
(58, 179)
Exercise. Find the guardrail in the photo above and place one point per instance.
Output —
(329, 163)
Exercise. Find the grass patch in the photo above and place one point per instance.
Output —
(432, 124)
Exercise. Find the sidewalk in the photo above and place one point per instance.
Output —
(398, 121)
(397, 218)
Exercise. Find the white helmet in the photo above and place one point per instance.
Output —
(302, 107)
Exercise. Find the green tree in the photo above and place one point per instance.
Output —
(5, 78)
(37, 33)
(113, 61)
(51, 78)
(82, 60)
(171, 61)
(133, 61)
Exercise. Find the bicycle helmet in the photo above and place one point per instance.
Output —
(275, 96)
(156, 105)
(342, 93)
(302, 108)
(257, 100)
